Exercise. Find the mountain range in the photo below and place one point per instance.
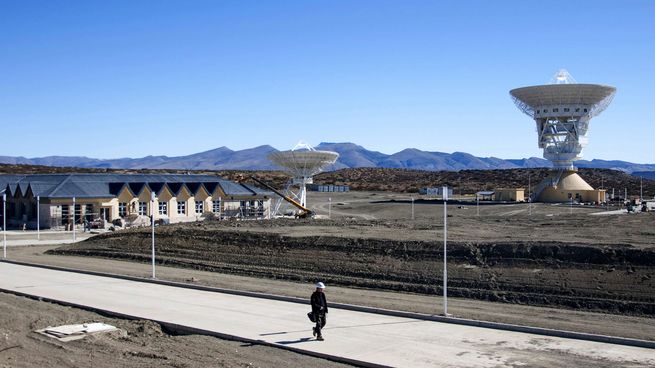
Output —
(350, 156)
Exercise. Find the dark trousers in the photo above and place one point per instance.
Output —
(321, 320)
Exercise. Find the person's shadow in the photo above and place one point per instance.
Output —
(300, 340)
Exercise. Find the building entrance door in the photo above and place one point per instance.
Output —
(104, 214)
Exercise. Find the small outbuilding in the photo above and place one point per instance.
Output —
(485, 195)
(509, 195)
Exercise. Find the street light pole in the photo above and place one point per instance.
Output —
(530, 194)
(477, 203)
(329, 207)
(38, 217)
(412, 208)
(152, 214)
(74, 235)
(4, 224)
(571, 207)
(445, 249)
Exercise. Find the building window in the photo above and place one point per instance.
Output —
(88, 212)
(78, 213)
(64, 213)
(538, 111)
(216, 206)
(585, 110)
(200, 206)
(260, 208)
(122, 209)
(577, 109)
(143, 208)
(163, 208)
(555, 110)
(566, 109)
(545, 110)
(181, 208)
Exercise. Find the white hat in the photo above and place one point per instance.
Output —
(320, 285)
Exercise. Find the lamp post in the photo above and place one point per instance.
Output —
(477, 203)
(74, 235)
(625, 196)
(445, 249)
(38, 217)
(530, 194)
(571, 203)
(4, 224)
(152, 214)
(412, 208)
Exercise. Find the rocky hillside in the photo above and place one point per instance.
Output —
(396, 180)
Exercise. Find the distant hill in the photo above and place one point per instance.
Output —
(351, 156)
(645, 174)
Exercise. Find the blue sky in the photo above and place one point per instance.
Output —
(133, 78)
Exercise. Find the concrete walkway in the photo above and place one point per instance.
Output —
(18, 238)
(378, 339)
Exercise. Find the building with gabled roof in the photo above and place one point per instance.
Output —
(64, 199)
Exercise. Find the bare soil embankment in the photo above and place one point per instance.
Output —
(138, 343)
(611, 278)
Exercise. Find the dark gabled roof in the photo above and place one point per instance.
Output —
(137, 188)
(6, 180)
(116, 188)
(81, 186)
(193, 187)
(156, 187)
(234, 189)
(110, 185)
(258, 191)
(210, 187)
(175, 187)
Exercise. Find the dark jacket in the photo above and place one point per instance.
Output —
(319, 303)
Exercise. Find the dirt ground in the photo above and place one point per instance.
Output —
(555, 256)
(552, 269)
(137, 344)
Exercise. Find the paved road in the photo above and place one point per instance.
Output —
(361, 336)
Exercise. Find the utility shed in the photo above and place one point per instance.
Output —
(510, 195)
(485, 195)
(435, 191)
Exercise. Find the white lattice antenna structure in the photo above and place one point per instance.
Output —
(562, 111)
(303, 162)
(562, 77)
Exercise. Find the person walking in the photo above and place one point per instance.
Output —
(319, 309)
